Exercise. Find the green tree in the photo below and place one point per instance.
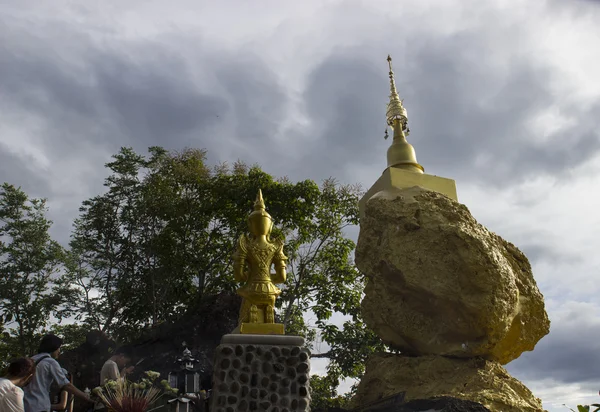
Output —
(116, 249)
(29, 261)
(104, 248)
(349, 348)
(324, 395)
(586, 408)
(162, 237)
(133, 247)
(73, 334)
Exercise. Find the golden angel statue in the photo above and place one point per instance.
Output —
(252, 262)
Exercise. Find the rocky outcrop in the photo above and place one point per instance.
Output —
(455, 299)
(440, 404)
(441, 283)
(476, 380)
(437, 404)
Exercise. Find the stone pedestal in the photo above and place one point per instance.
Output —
(261, 373)
(262, 329)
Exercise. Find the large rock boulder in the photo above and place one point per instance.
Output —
(441, 283)
(441, 404)
(477, 380)
(438, 404)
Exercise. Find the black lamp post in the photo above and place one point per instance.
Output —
(187, 381)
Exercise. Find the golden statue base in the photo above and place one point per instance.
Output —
(394, 177)
(262, 329)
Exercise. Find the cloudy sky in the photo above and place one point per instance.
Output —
(503, 96)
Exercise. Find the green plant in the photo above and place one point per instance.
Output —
(126, 396)
(586, 408)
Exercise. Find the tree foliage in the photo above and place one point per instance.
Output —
(324, 395)
(161, 236)
(29, 260)
(586, 408)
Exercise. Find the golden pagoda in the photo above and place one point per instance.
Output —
(403, 170)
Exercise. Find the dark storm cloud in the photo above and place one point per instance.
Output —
(339, 98)
(344, 121)
(258, 102)
(96, 99)
(135, 102)
(460, 108)
(538, 252)
(139, 94)
(569, 354)
(19, 172)
(11, 165)
(154, 104)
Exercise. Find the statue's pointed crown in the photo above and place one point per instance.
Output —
(259, 203)
(259, 206)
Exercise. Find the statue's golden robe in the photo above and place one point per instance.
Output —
(259, 258)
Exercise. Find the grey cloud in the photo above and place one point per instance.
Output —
(576, 8)
(29, 180)
(138, 94)
(452, 126)
(98, 99)
(538, 252)
(145, 94)
(18, 171)
(114, 99)
(154, 104)
(568, 354)
(445, 83)
(339, 98)
(258, 101)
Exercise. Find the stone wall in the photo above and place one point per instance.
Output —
(261, 377)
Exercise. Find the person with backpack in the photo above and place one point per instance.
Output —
(48, 371)
(18, 375)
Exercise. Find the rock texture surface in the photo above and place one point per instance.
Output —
(249, 377)
(441, 404)
(438, 404)
(441, 283)
(477, 380)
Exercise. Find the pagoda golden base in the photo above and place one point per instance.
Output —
(262, 329)
(394, 177)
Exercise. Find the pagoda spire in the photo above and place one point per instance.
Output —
(403, 170)
(401, 154)
(395, 109)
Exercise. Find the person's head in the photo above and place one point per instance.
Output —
(51, 344)
(20, 371)
(123, 356)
